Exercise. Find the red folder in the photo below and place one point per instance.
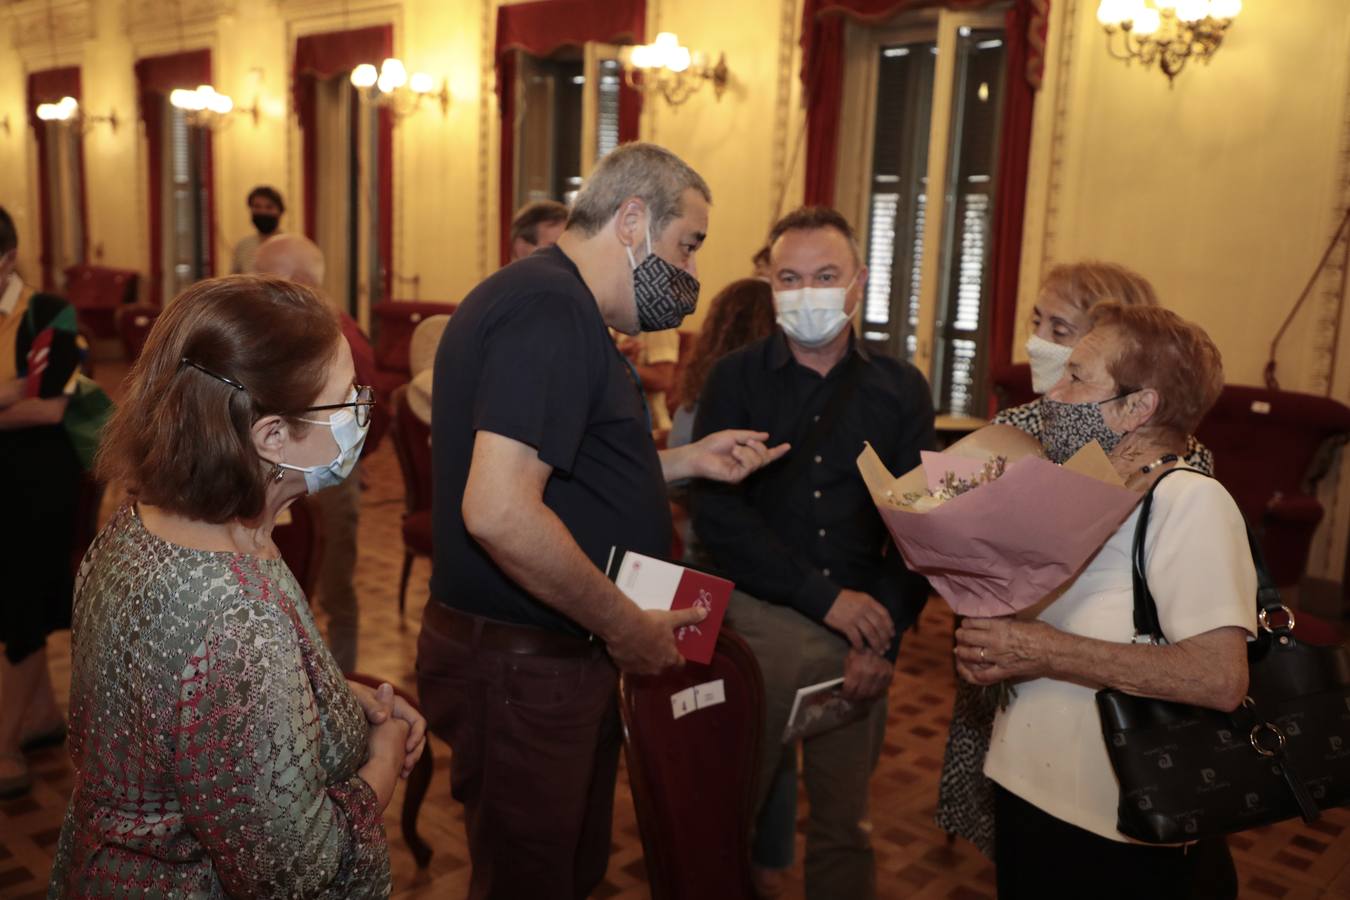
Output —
(654, 583)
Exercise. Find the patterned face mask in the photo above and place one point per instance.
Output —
(1067, 428)
(664, 292)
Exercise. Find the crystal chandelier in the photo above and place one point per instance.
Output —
(1166, 32)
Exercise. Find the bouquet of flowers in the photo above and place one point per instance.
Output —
(994, 525)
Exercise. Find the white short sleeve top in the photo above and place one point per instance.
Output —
(1047, 747)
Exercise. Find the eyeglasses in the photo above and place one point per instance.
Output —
(365, 399)
(365, 395)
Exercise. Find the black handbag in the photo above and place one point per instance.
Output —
(1188, 773)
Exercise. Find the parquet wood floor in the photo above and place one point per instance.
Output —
(913, 858)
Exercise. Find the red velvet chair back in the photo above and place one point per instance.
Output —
(412, 443)
(693, 778)
(393, 322)
(97, 292)
(363, 359)
(1265, 443)
(133, 327)
(1012, 385)
(301, 544)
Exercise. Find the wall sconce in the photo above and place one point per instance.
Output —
(209, 108)
(1169, 32)
(671, 70)
(67, 109)
(391, 88)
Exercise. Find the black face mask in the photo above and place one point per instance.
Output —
(266, 223)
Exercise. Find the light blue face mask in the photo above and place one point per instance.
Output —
(350, 438)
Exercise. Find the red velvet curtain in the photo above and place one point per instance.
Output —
(49, 86)
(823, 81)
(319, 57)
(540, 28)
(156, 76)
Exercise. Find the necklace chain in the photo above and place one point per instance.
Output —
(1160, 461)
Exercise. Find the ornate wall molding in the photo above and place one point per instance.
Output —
(782, 108)
(487, 82)
(1054, 184)
(1332, 285)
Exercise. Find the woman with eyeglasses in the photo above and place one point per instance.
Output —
(218, 748)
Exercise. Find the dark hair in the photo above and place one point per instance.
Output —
(810, 218)
(761, 257)
(740, 314)
(181, 439)
(1159, 349)
(651, 173)
(267, 193)
(9, 235)
(525, 225)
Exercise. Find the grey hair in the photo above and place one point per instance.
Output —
(653, 174)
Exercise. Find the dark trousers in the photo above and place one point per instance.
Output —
(1039, 856)
(535, 743)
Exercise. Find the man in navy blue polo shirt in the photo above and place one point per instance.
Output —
(543, 463)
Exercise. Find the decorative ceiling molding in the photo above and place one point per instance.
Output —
(39, 26)
(167, 26)
(157, 15)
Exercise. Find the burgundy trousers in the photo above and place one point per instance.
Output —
(535, 751)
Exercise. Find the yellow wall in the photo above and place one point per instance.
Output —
(1220, 189)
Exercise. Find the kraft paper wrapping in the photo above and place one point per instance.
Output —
(1004, 545)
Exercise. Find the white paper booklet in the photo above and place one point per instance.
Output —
(818, 708)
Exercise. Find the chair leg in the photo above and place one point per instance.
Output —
(403, 581)
(415, 791)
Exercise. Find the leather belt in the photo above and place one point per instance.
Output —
(503, 637)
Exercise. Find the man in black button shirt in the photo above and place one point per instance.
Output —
(543, 462)
(820, 591)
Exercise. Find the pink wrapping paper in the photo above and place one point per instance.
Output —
(1003, 546)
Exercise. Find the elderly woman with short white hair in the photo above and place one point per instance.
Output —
(1138, 384)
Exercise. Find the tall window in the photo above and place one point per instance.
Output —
(348, 205)
(934, 89)
(185, 237)
(567, 117)
(63, 171)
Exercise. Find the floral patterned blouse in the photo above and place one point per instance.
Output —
(215, 742)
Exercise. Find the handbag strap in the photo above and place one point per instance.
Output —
(1146, 624)
(1267, 601)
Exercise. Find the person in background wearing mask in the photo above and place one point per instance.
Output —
(536, 225)
(218, 749)
(544, 464)
(1059, 319)
(265, 206)
(820, 593)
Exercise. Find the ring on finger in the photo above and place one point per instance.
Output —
(981, 654)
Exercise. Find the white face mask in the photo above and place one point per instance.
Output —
(350, 438)
(813, 316)
(1048, 360)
